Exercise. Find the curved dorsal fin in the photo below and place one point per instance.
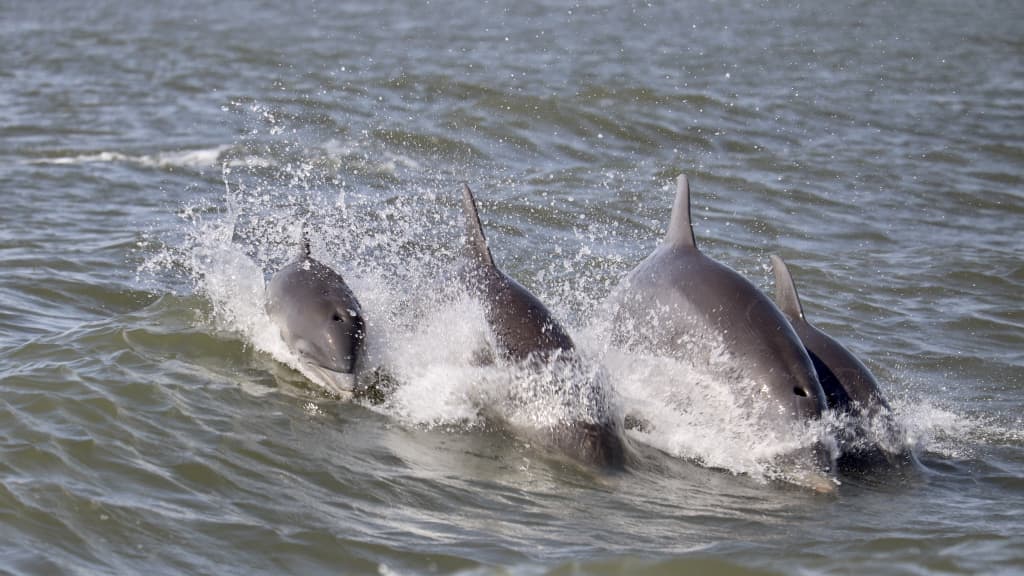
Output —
(680, 231)
(476, 243)
(786, 296)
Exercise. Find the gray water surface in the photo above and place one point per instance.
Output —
(157, 162)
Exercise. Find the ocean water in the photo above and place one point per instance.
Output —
(158, 163)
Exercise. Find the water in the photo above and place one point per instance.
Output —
(158, 162)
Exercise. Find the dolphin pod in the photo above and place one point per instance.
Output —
(675, 299)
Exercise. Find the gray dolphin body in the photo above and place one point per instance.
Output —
(678, 299)
(320, 319)
(849, 386)
(526, 334)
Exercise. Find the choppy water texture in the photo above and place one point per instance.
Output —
(158, 162)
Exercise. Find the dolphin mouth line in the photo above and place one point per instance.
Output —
(331, 370)
(308, 361)
(340, 383)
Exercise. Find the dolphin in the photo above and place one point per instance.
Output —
(319, 319)
(678, 299)
(849, 386)
(523, 327)
(526, 334)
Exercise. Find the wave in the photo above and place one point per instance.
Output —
(350, 156)
(195, 159)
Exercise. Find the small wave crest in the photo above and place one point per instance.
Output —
(195, 159)
(339, 156)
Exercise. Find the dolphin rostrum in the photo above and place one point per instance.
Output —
(526, 334)
(319, 319)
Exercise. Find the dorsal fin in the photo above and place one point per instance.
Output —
(786, 296)
(476, 243)
(680, 231)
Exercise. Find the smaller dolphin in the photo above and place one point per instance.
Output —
(526, 333)
(849, 386)
(320, 320)
(847, 382)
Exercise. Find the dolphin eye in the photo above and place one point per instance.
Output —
(800, 391)
(336, 317)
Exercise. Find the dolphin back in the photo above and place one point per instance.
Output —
(844, 377)
(873, 438)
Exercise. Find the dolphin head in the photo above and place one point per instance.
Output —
(332, 335)
(320, 320)
(330, 347)
(787, 374)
